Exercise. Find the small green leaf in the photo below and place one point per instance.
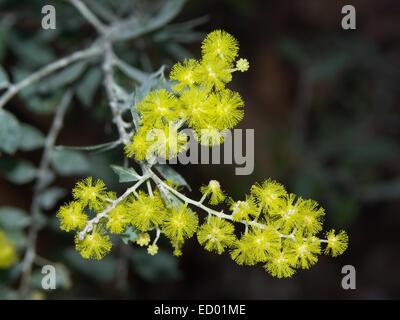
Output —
(17, 171)
(88, 86)
(10, 132)
(13, 218)
(129, 234)
(31, 138)
(68, 162)
(48, 198)
(63, 77)
(125, 174)
(170, 174)
(99, 147)
(4, 81)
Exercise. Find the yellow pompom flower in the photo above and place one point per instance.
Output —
(89, 193)
(95, 245)
(288, 213)
(242, 253)
(8, 254)
(118, 218)
(152, 249)
(158, 105)
(139, 147)
(242, 65)
(184, 74)
(146, 212)
(168, 141)
(263, 242)
(242, 210)
(214, 189)
(196, 107)
(280, 264)
(180, 223)
(213, 72)
(143, 239)
(220, 44)
(311, 217)
(209, 135)
(304, 251)
(71, 216)
(337, 244)
(226, 106)
(268, 194)
(216, 235)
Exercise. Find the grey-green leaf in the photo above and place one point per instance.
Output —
(13, 218)
(129, 234)
(17, 171)
(125, 174)
(48, 198)
(88, 86)
(68, 162)
(98, 148)
(170, 174)
(31, 138)
(10, 132)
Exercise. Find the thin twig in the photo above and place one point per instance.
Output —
(89, 16)
(30, 252)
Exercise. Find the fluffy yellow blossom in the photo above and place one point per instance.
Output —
(71, 216)
(214, 190)
(180, 223)
(216, 235)
(89, 193)
(280, 264)
(184, 74)
(337, 244)
(268, 194)
(147, 211)
(220, 45)
(95, 245)
(143, 239)
(152, 249)
(118, 218)
(303, 251)
(209, 135)
(213, 72)
(288, 213)
(196, 106)
(140, 144)
(311, 217)
(243, 210)
(8, 254)
(242, 65)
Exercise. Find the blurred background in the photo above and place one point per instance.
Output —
(324, 104)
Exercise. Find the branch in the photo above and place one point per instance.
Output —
(13, 89)
(30, 252)
(89, 16)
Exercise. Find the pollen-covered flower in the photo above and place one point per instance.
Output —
(196, 108)
(184, 74)
(71, 216)
(177, 245)
(180, 223)
(95, 245)
(143, 239)
(337, 244)
(311, 217)
(280, 264)
(268, 194)
(168, 141)
(214, 189)
(263, 242)
(288, 213)
(242, 65)
(216, 235)
(220, 44)
(146, 212)
(304, 251)
(242, 210)
(118, 218)
(139, 147)
(152, 249)
(158, 105)
(213, 72)
(226, 106)
(8, 254)
(209, 135)
(89, 193)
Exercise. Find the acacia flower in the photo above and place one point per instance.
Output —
(304, 251)
(184, 74)
(152, 249)
(71, 216)
(242, 210)
(89, 193)
(213, 72)
(214, 189)
(288, 213)
(143, 239)
(216, 235)
(242, 65)
(268, 194)
(8, 255)
(95, 245)
(337, 244)
(139, 147)
(280, 264)
(118, 218)
(147, 211)
(180, 223)
(196, 107)
(220, 44)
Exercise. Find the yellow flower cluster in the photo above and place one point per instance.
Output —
(200, 100)
(8, 255)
